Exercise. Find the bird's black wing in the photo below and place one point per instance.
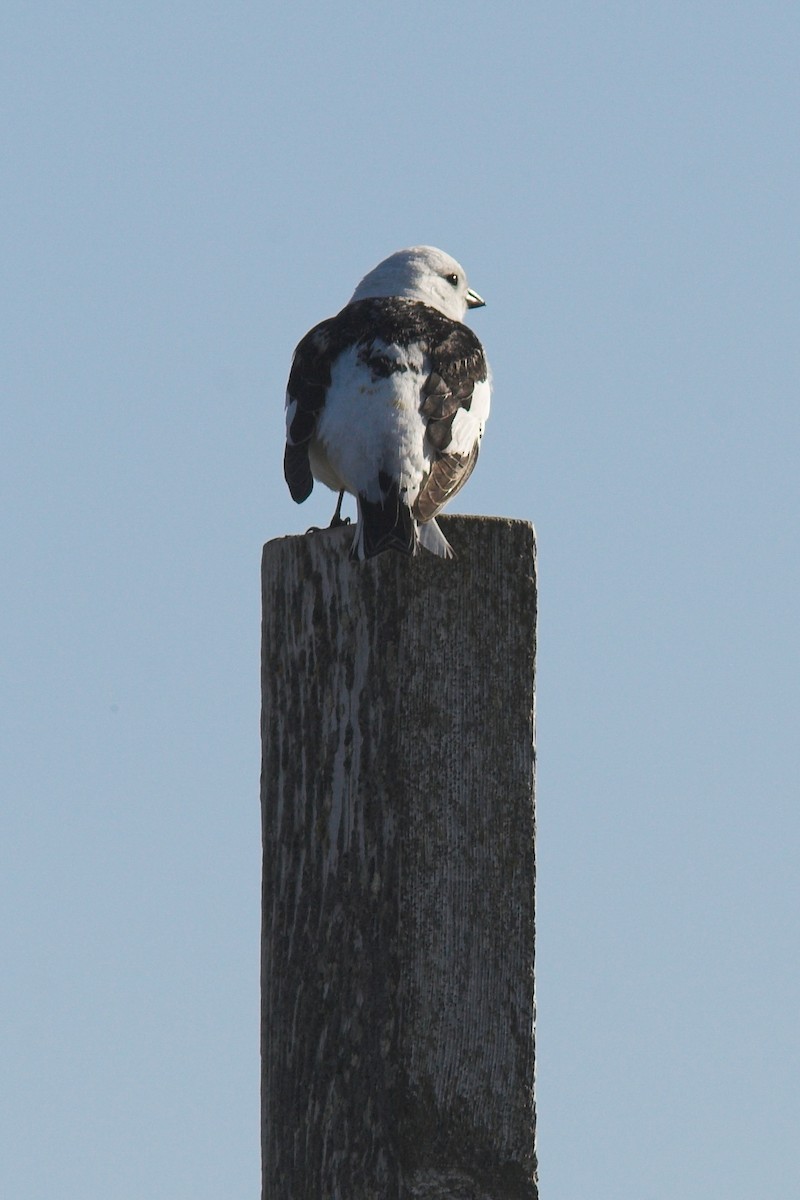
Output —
(458, 363)
(447, 476)
(309, 379)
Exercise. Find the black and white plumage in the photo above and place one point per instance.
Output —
(388, 401)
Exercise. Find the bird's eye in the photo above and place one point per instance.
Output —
(453, 278)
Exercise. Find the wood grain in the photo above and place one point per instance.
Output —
(398, 909)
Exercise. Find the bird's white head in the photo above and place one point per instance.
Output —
(422, 273)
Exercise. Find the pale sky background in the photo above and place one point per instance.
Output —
(188, 187)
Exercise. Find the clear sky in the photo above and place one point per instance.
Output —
(188, 187)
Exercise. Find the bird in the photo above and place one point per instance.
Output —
(388, 400)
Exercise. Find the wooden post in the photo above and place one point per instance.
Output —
(398, 909)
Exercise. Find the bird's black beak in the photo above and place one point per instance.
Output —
(474, 300)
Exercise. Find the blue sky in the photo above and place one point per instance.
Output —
(188, 188)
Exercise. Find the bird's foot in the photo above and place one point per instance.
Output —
(336, 523)
(337, 520)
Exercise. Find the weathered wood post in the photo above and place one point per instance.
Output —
(398, 908)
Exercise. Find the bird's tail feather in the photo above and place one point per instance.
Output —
(431, 538)
(387, 524)
(384, 524)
